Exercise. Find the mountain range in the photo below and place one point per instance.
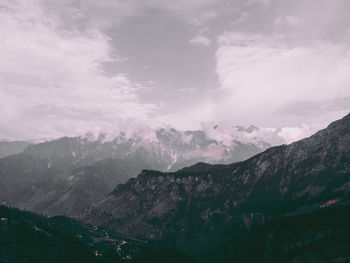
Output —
(64, 176)
(289, 203)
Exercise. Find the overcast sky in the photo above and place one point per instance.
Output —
(72, 66)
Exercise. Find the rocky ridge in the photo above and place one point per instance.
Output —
(199, 207)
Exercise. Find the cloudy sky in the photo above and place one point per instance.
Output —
(72, 66)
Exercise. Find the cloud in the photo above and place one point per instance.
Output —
(201, 41)
(242, 17)
(262, 75)
(60, 68)
(187, 90)
(292, 134)
(288, 20)
(204, 18)
(111, 12)
(262, 2)
(52, 82)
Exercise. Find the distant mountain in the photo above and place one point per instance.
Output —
(161, 149)
(201, 207)
(64, 176)
(81, 187)
(29, 183)
(12, 147)
(26, 238)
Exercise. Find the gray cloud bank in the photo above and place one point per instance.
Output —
(70, 67)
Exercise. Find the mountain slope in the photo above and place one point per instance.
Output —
(321, 236)
(12, 147)
(26, 237)
(199, 207)
(85, 186)
(27, 183)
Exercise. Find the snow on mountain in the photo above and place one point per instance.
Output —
(165, 149)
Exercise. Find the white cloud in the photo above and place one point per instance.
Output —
(261, 75)
(201, 41)
(293, 21)
(187, 90)
(292, 134)
(52, 82)
(288, 20)
(204, 18)
(53, 54)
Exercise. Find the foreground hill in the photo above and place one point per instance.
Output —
(26, 237)
(199, 208)
(322, 236)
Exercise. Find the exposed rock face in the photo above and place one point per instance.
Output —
(194, 207)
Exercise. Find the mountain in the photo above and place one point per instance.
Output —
(161, 149)
(200, 208)
(287, 204)
(320, 236)
(82, 187)
(12, 147)
(26, 237)
(28, 183)
(64, 176)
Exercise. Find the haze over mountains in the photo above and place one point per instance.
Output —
(211, 212)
